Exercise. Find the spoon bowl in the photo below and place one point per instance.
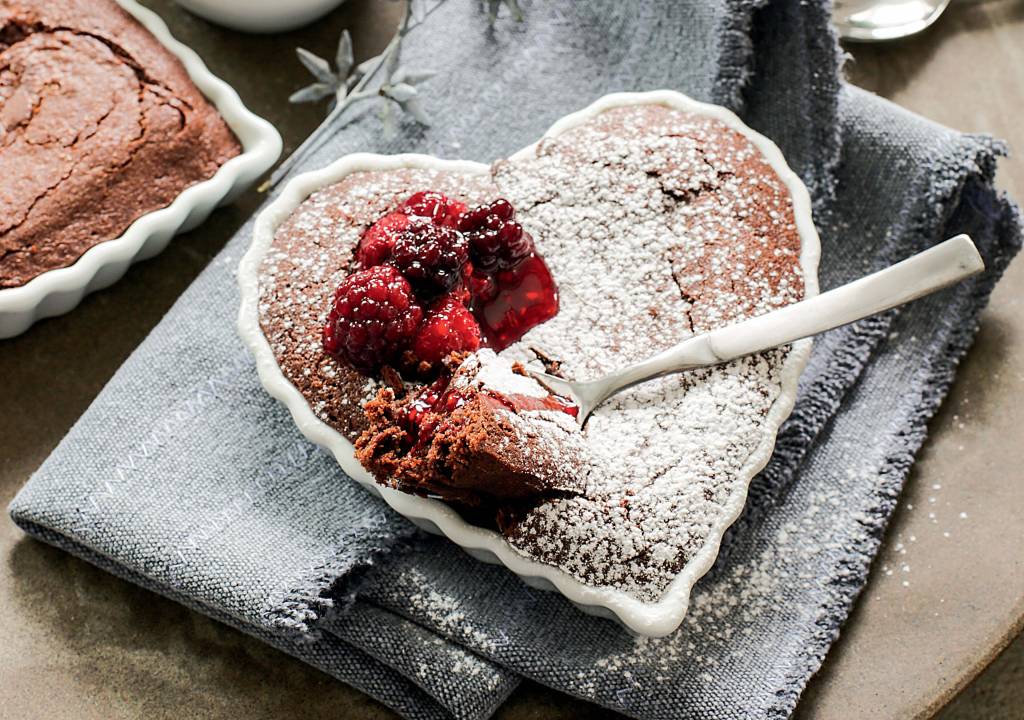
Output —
(874, 21)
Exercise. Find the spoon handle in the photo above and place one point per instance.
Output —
(924, 273)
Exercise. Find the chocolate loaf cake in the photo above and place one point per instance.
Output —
(656, 224)
(99, 125)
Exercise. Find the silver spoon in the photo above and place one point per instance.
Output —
(924, 273)
(878, 20)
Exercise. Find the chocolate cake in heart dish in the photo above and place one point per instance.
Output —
(404, 305)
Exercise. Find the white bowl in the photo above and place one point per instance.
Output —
(55, 292)
(261, 16)
(651, 619)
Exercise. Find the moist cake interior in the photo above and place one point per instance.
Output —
(486, 436)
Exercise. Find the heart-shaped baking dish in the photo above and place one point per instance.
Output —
(705, 435)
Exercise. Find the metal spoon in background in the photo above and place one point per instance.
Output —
(924, 273)
(875, 21)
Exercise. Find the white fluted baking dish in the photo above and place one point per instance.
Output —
(645, 618)
(55, 292)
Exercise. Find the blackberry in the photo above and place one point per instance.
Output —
(496, 240)
(430, 256)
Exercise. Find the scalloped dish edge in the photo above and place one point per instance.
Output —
(58, 291)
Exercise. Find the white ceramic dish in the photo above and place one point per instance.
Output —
(57, 291)
(645, 618)
(260, 16)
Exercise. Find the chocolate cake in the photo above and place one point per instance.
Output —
(487, 435)
(99, 124)
(656, 224)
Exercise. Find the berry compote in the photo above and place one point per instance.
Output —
(435, 277)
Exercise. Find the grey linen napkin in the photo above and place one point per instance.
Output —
(184, 477)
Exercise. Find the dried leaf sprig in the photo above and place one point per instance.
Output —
(513, 7)
(347, 84)
(336, 83)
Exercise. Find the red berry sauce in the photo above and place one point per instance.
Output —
(474, 270)
(424, 412)
(524, 403)
(522, 298)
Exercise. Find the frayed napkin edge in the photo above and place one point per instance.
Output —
(974, 159)
(331, 587)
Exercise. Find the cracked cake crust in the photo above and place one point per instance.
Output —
(656, 224)
(99, 125)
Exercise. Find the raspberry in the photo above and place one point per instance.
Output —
(378, 241)
(427, 203)
(455, 211)
(496, 241)
(435, 206)
(430, 256)
(448, 327)
(373, 318)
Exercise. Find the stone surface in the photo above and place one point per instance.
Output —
(79, 643)
(909, 648)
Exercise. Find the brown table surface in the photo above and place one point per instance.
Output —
(946, 594)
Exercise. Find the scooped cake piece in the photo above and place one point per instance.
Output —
(486, 435)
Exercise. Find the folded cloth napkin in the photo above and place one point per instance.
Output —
(185, 477)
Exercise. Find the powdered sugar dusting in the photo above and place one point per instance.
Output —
(446, 612)
(485, 370)
(656, 224)
(552, 444)
(655, 227)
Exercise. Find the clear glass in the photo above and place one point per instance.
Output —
(876, 20)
